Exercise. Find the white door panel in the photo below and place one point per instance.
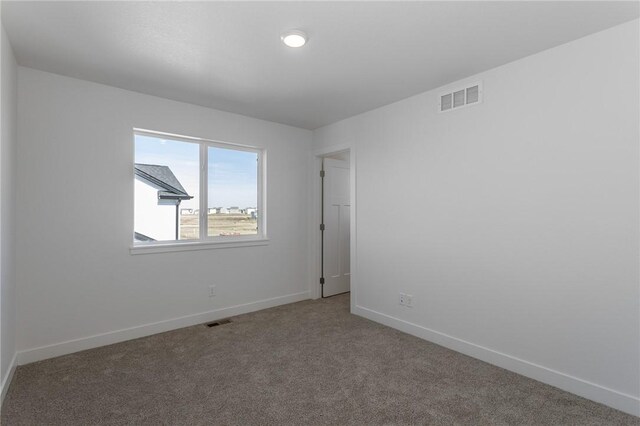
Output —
(345, 234)
(336, 232)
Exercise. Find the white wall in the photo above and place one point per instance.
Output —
(519, 242)
(76, 278)
(8, 140)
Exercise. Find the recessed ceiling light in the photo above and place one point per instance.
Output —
(294, 38)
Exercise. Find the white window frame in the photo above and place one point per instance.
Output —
(205, 241)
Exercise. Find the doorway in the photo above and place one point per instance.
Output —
(335, 224)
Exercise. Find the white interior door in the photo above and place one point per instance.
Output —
(337, 213)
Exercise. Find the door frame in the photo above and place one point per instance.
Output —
(314, 219)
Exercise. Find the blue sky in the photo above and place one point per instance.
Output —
(232, 174)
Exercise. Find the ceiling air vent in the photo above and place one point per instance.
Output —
(461, 97)
(445, 102)
(458, 98)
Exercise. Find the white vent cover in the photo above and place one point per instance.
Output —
(445, 101)
(461, 97)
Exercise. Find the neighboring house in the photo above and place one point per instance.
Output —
(186, 211)
(213, 210)
(234, 210)
(157, 202)
(141, 237)
(224, 210)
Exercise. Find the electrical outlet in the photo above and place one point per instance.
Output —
(408, 300)
(212, 290)
(402, 299)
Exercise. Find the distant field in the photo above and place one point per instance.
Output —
(219, 224)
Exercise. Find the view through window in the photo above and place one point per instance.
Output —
(169, 204)
(233, 195)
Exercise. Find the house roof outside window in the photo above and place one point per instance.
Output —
(161, 177)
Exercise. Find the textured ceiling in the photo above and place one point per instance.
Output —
(228, 55)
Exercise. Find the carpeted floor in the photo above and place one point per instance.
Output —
(301, 364)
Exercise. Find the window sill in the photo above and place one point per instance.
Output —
(195, 245)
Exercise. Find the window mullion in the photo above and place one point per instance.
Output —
(261, 222)
(204, 210)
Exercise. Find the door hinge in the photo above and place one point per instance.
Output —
(322, 226)
(321, 173)
(321, 280)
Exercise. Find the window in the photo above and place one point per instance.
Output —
(194, 190)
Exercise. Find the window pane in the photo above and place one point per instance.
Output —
(233, 192)
(167, 182)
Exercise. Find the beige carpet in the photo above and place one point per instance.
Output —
(301, 364)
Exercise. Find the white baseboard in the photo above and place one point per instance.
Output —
(71, 346)
(618, 400)
(6, 380)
